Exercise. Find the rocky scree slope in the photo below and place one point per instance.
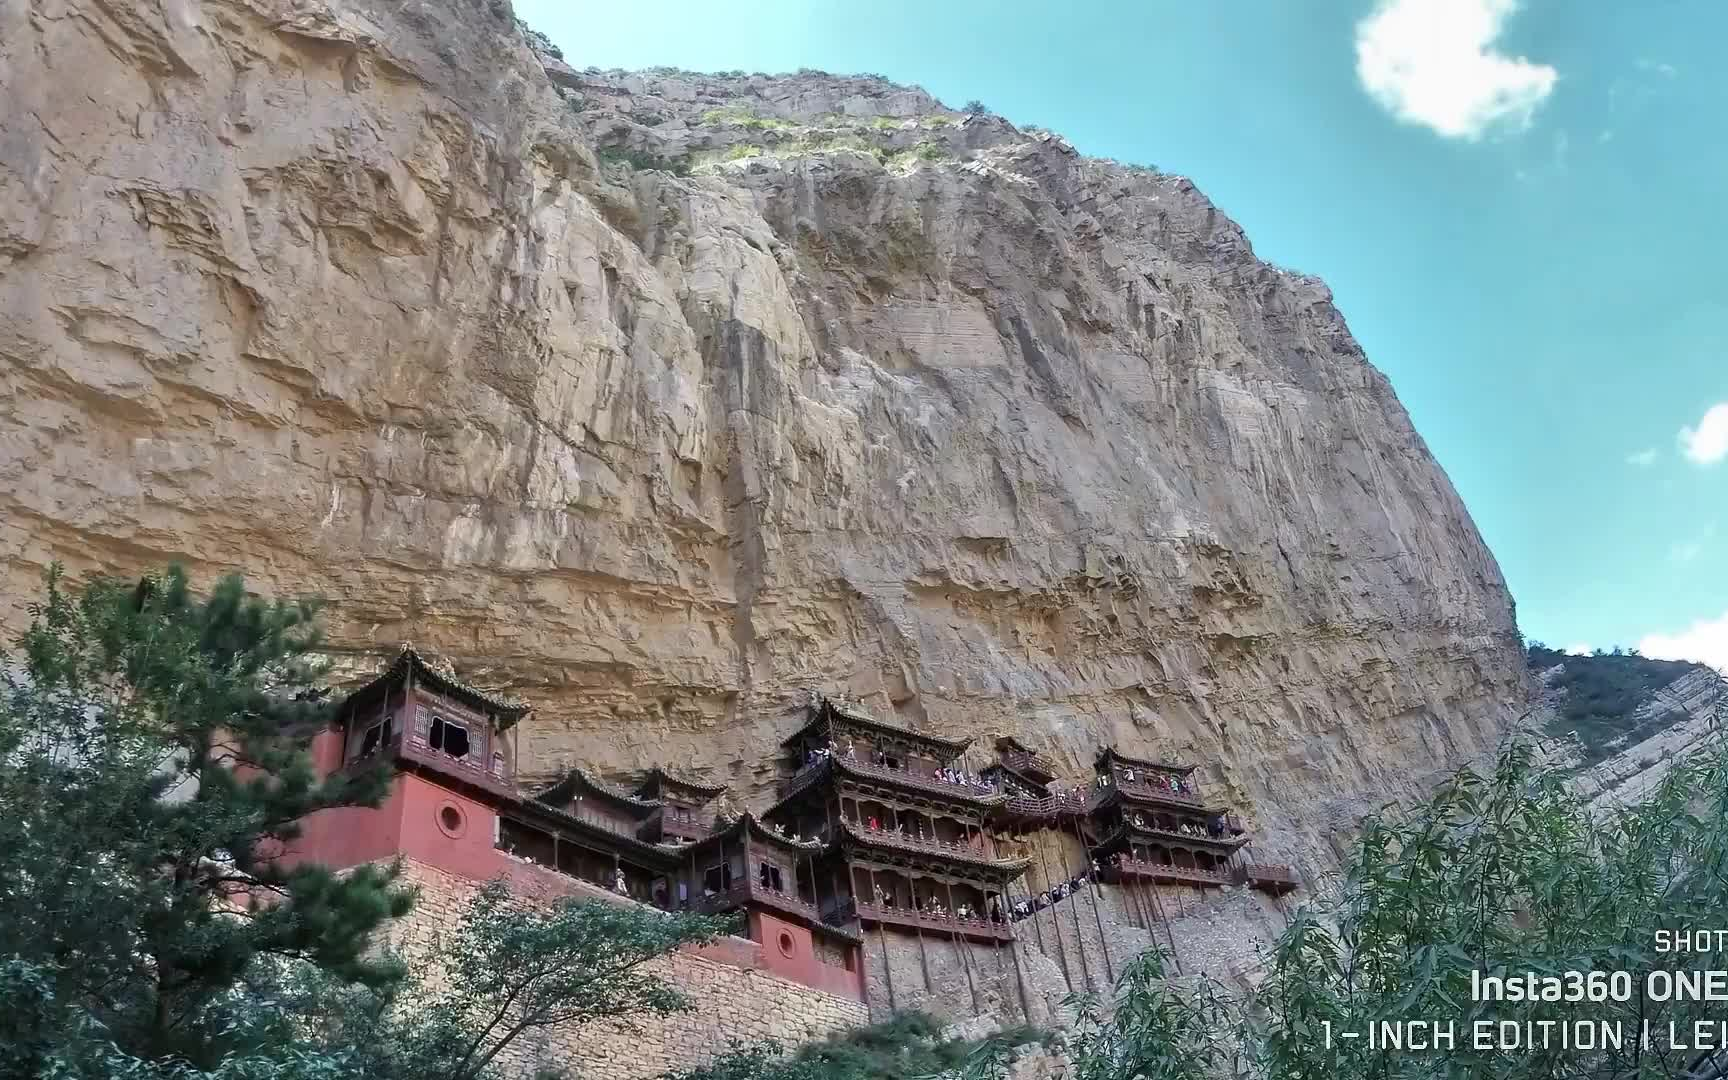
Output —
(659, 398)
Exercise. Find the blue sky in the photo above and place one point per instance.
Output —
(1518, 204)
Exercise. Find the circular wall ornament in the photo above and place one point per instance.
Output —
(452, 822)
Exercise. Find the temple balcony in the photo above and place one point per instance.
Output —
(1169, 873)
(917, 780)
(1274, 878)
(956, 849)
(666, 828)
(1160, 794)
(743, 893)
(1030, 764)
(972, 928)
(1050, 807)
(1224, 843)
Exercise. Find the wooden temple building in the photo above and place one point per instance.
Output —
(875, 828)
(906, 833)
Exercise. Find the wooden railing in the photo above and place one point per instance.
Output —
(970, 926)
(1051, 806)
(1026, 761)
(928, 781)
(1226, 842)
(1169, 872)
(915, 843)
(754, 892)
(1268, 877)
(1159, 792)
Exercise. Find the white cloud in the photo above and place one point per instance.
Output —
(1432, 62)
(1643, 458)
(1707, 443)
(1705, 641)
(1578, 650)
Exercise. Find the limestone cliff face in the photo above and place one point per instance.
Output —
(940, 415)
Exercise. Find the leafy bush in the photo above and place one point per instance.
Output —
(642, 161)
(975, 107)
(904, 1046)
(539, 42)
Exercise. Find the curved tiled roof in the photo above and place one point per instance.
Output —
(656, 777)
(576, 781)
(408, 660)
(822, 710)
(760, 831)
(1109, 753)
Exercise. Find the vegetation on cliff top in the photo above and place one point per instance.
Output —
(1602, 693)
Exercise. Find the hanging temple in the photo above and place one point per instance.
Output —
(876, 830)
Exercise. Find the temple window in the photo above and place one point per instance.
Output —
(768, 875)
(717, 879)
(377, 736)
(449, 737)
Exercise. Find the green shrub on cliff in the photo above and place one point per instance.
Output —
(1602, 694)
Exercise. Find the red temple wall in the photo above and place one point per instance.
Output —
(787, 951)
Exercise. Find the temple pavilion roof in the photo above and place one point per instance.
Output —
(578, 783)
(824, 712)
(425, 674)
(1110, 754)
(748, 823)
(658, 781)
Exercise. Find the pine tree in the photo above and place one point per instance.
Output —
(153, 755)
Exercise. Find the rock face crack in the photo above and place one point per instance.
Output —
(870, 397)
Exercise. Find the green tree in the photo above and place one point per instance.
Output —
(152, 755)
(1503, 874)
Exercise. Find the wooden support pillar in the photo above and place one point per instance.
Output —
(1092, 889)
(1168, 932)
(960, 944)
(1020, 982)
(1055, 927)
(1079, 939)
(918, 928)
(887, 968)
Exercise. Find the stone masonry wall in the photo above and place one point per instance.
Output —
(731, 999)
